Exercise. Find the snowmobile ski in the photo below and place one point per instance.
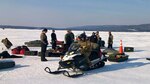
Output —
(48, 70)
(66, 73)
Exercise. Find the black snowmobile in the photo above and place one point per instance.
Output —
(74, 62)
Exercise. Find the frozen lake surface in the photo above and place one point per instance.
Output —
(30, 70)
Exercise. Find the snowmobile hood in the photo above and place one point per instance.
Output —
(69, 57)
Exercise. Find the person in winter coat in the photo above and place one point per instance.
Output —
(86, 48)
(72, 36)
(98, 36)
(84, 36)
(93, 38)
(99, 40)
(69, 38)
(44, 44)
(110, 40)
(53, 39)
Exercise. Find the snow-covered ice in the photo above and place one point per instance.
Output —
(30, 70)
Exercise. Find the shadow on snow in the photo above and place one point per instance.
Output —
(117, 66)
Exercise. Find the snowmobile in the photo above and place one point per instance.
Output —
(75, 62)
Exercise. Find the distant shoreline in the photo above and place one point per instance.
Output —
(113, 28)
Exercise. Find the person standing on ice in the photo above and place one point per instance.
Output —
(53, 39)
(98, 36)
(44, 44)
(69, 38)
(110, 40)
(72, 36)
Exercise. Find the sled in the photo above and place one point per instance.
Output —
(34, 43)
(6, 64)
(128, 49)
(118, 58)
(5, 54)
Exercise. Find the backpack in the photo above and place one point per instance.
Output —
(7, 43)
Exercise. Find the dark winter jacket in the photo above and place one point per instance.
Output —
(93, 39)
(53, 37)
(43, 38)
(68, 39)
(110, 39)
(72, 37)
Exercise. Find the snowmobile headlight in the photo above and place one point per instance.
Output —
(71, 53)
(68, 62)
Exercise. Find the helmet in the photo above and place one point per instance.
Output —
(82, 36)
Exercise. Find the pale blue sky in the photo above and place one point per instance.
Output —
(67, 13)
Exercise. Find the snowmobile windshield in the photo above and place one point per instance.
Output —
(74, 47)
